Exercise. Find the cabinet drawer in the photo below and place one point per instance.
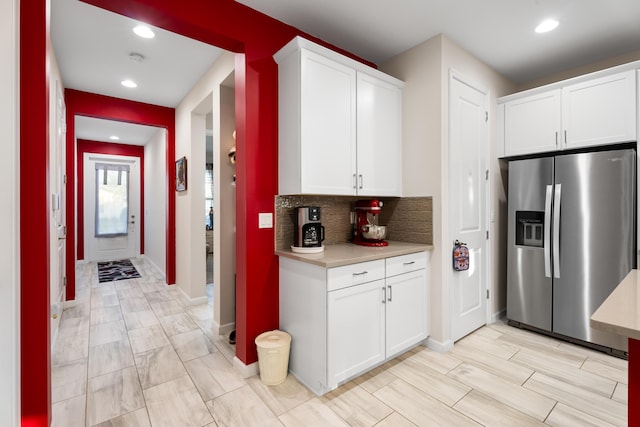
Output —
(354, 274)
(406, 263)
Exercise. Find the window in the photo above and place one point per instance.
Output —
(208, 196)
(112, 200)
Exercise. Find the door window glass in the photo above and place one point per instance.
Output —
(112, 200)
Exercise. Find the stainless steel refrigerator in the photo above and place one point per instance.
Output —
(571, 239)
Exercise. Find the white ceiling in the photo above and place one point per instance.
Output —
(499, 32)
(93, 129)
(92, 46)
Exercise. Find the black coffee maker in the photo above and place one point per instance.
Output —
(309, 232)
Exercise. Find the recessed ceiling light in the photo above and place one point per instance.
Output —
(128, 83)
(547, 25)
(144, 32)
(114, 137)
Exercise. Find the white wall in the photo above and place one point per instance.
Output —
(225, 219)
(9, 223)
(190, 236)
(155, 200)
(425, 70)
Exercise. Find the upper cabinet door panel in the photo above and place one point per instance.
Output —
(379, 124)
(600, 111)
(532, 123)
(328, 126)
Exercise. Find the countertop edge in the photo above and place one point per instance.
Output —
(354, 254)
(617, 313)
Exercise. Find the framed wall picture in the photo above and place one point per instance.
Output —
(181, 174)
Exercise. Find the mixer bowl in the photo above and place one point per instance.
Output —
(374, 232)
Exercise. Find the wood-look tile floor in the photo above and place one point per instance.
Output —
(130, 353)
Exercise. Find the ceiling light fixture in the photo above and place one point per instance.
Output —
(128, 83)
(546, 26)
(114, 137)
(144, 32)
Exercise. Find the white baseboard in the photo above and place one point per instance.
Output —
(223, 329)
(154, 266)
(440, 347)
(245, 371)
(186, 299)
(499, 315)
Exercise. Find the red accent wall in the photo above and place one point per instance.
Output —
(106, 107)
(35, 355)
(224, 23)
(238, 28)
(85, 146)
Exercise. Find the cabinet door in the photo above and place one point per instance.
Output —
(379, 137)
(328, 126)
(600, 111)
(406, 311)
(355, 318)
(532, 124)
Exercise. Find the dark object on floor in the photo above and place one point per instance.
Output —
(232, 337)
(116, 270)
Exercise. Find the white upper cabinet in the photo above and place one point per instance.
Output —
(595, 111)
(339, 124)
(600, 111)
(379, 130)
(327, 128)
(532, 124)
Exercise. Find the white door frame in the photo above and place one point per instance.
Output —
(91, 253)
(454, 75)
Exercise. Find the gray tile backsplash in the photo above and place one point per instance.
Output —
(408, 219)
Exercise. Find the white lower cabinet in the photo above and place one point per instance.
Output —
(356, 319)
(347, 320)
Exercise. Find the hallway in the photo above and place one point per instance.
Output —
(131, 354)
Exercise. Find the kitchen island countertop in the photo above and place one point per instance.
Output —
(349, 253)
(620, 312)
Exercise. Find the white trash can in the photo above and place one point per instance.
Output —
(273, 356)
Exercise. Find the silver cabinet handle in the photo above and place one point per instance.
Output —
(361, 273)
(390, 293)
(409, 263)
(361, 181)
(547, 232)
(355, 181)
(384, 297)
(565, 137)
(557, 197)
(556, 138)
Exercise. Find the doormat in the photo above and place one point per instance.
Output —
(116, 270)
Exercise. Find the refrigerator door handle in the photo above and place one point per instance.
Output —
(547, 232)
(557, 197)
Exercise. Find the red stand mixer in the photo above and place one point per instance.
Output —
(368, 232)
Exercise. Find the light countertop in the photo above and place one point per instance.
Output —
(620, 312)
(348, 253)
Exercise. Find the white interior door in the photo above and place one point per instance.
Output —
(112, 233)
(468, 153)
(59, 220)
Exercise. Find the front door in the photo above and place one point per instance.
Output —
(468, 180)
(111, 207)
